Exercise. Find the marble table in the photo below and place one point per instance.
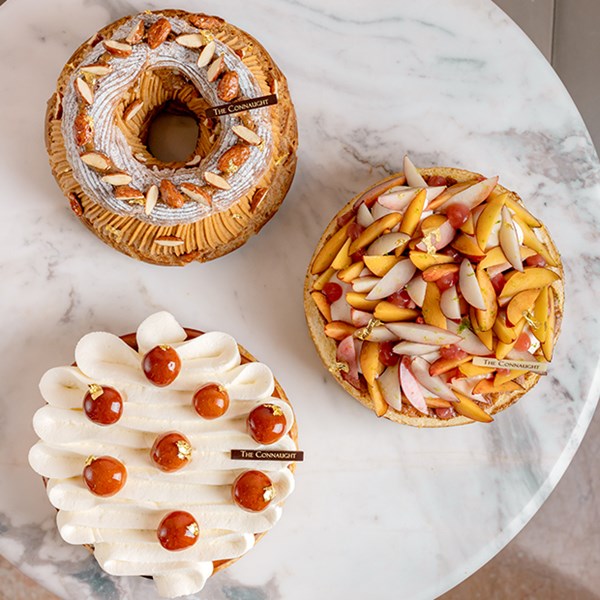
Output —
(380, 510)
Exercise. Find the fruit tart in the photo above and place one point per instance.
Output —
(435, 298)
(137, 444)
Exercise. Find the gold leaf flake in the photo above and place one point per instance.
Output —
(89, 460)
(192, 530)
(276, 409)
(336, 367)
(268, 493)
(365, 332)
(184, 450)
(95, 390)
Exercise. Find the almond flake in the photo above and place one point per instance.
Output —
(128, 193)
(118, 49)
(151, 199)
(257, 198)
(246, 134)
(84, 90)
(96, 160)
(215, 69)
(117, 178)
(132, 110)
(140, 157)
(207, 53)
(169, 240)
(197, 193)
(190, 40)
(136, 35)
(194, 161)
(216, 180)
(96, 69)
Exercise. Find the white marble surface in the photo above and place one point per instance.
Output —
(380, 510)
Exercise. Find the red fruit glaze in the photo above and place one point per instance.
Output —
(436, 180)
(332, 291)
(457, 215)
(523, 342)
(161, 365)
(358, 255)
(177, 531)
(253, 491)
(444, 413)
(266, 424)
(104, 476)
(537, 260)
(171, 451)
(452, 352)
(102, 405)
(354, 230)
(387, 355)
(498, 282)
(447, 281)
(400, 298)
(211, 401)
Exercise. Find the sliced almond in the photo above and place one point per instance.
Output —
(190, 40)
(132, 110)
(216, 68)
(96, 69)
(216, 180)
(246, 134)
(117, 178)
(169, 241)
(96, 160)
(158, 32)
(118, 49)
(128, 193)
(207, 54)
(257, 198)
(194, 161)
(170, 194)
(140, 157)
(136, 35)
(197, 193)
(84, 90)
(151, 199)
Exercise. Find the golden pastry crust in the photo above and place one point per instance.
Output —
(326, 347)
(220, 232)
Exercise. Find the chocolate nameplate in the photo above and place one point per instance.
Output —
(285, 455)
(512, 365)
(241, 105)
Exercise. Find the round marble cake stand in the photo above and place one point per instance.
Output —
(381, 510)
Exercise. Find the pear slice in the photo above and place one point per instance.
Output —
(487, 317)
(376, 334)
(529, 278)
(437, 238)
(420, 369)
(388, 312)
(450, 192)
(394, 280)
(360, 318)
(388, 242)
(346, 353)
(338, 330)
(521, 304)
(416, 289)
(548, 343)
(470, 343)
(531, 240)
(410, 386)
(540, 315)
(486, 337)
(373, 231)
(467, 408)
(363, 285)
(398, 198)
(423, 260)
(450, 303)
(520, 211)
(509, 240)
(363, 216)
(330, 250)
(472, 196)
(413, 213)
(469, 285)
(413, 177)
(352, 272)
(488, 219)
(423, 334)
(432, 313)
(322, 304)
(380, 265)
(359, 301)
(414, 348)
(389, 384)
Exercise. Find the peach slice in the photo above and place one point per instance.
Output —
(413, 177)
(509, 240)
(505, 333)
(423, 260)
(387, 243)
(352, 272)
(359, 301)
(322, 304)
(420, 369)
(437, 403)
(364, 216)
(330, 250)
(540, 315)
(373, 231)
(414, 348)
(389, 384)
(413, 213)
(432, 313)
(486, 318)
(531, 240)
(437, 238)
(416, 289)
(323, 278)
(410, 386)
(466, 244)
(502, 349)
(450, 192)
(342, 259)
(395, 279)
(423, 334)
(376, 334)
(379, 404)
(435, 272)
(450, 303)
(472, 196)
(502, 378)
(443, 365)
(379, 265)
(495, 258)
(432, 222)
(338, 330)
(548, 343)
(486, 386)
(468, 226)
(521, 212)
(467, 408)
(470, 370)
(520, 304)
(486, 337)
(388, 312)
(370, 364)
(529, 278)
(488, 219)
(469, 285)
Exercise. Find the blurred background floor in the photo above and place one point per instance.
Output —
(557, 555)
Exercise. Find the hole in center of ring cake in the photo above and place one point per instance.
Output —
(173, 133)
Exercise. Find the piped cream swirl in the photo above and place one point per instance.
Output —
(122, 528)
